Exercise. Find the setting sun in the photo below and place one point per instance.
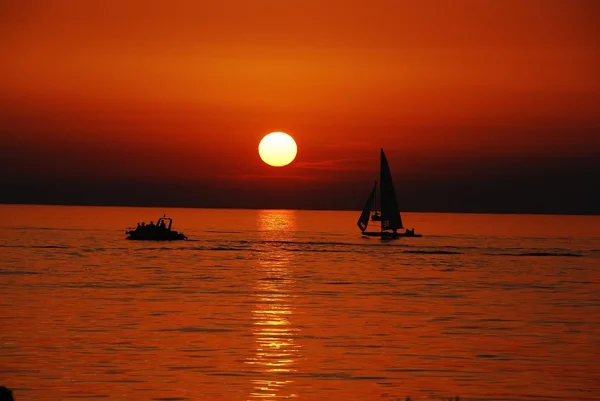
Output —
(277, 149)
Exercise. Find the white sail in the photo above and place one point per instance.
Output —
(363, 220)
(390, 215)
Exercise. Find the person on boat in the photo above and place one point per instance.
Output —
(151, 225)
(163, 225)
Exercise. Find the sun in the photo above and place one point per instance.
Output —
(277, 149)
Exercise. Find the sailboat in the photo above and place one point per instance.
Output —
(391, 221)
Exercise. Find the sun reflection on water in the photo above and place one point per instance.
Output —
(276, 350)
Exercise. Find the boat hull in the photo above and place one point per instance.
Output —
(384, 234)
(155, 235)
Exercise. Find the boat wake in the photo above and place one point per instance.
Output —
(557, 254)
(433, 252)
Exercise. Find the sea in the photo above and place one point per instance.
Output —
(292, 304)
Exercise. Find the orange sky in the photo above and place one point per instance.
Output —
(92, 91)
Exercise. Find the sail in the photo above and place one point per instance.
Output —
(390, 215)
(363, 220)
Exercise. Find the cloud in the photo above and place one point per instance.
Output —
(263, 177)
(348, 164)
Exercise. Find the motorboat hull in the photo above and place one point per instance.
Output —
(384, 234)
(155, 236)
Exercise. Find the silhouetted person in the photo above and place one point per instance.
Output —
(6, 394)
(163, 225)
(151, 225)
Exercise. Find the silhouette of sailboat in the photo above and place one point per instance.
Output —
(391, 221)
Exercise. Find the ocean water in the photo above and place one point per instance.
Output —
(284, 304)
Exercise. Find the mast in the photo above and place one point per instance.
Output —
(374, 204)
(390, 215)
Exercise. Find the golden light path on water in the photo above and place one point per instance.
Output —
(276, 349)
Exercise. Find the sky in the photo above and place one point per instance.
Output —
(480, 105)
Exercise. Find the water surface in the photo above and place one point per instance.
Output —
(269, 305)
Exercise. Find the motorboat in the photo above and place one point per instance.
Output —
(161, 231)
